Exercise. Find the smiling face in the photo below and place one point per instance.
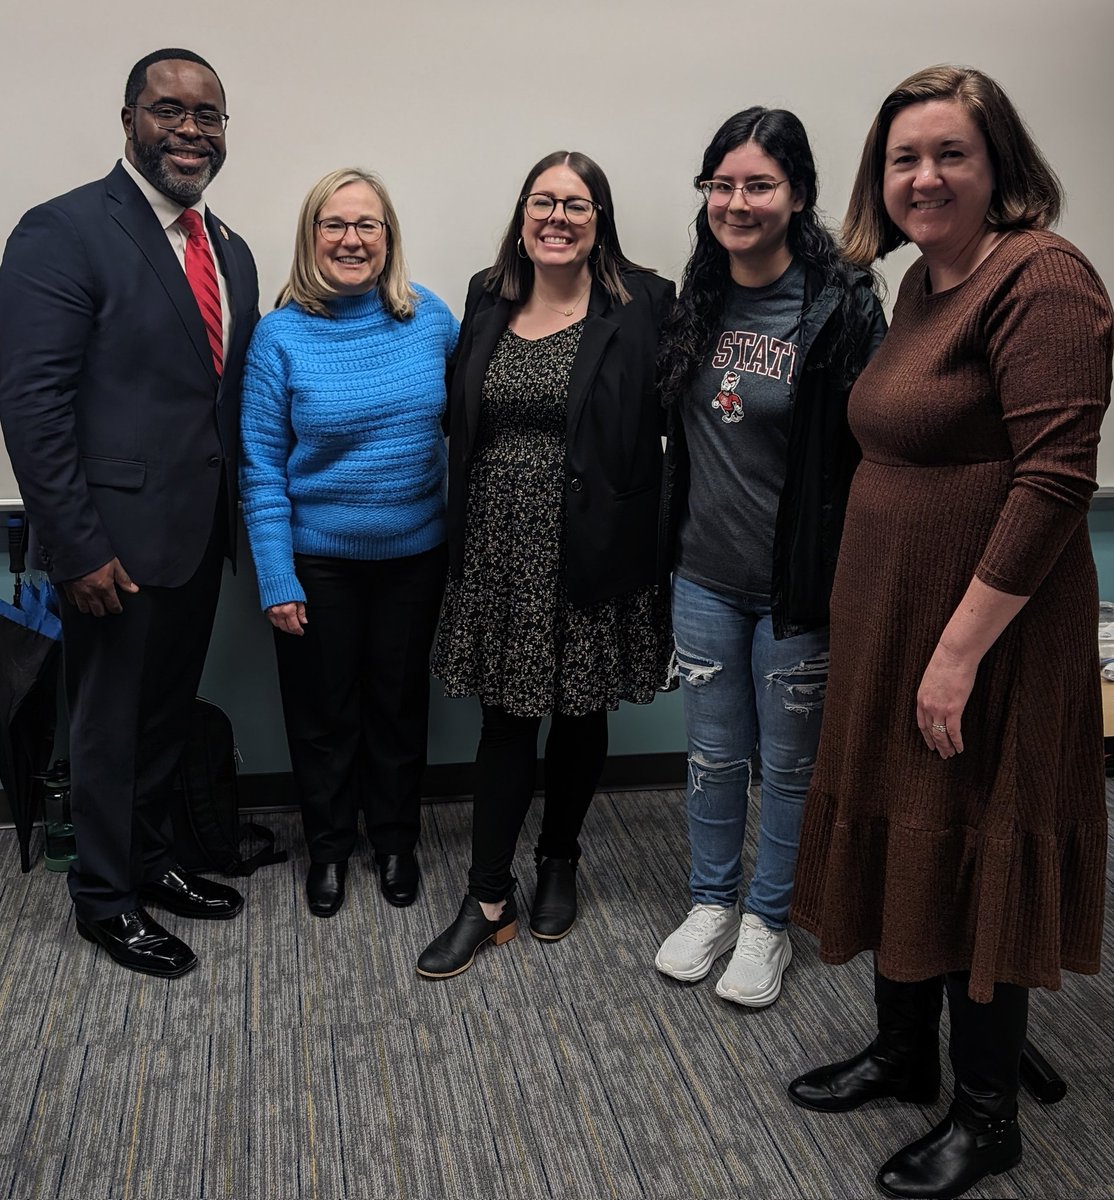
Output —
(181, 162)
(938, 179)
(556, 243)
(351, 266)
(755, 237)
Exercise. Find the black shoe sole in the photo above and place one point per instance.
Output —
(83, 932)
(183, 910)
(399, 901)
(899, 1097)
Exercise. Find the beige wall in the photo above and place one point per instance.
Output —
(452, 102)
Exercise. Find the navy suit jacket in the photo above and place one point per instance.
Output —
(117, 427)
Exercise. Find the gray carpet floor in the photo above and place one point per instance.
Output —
(304, 1059)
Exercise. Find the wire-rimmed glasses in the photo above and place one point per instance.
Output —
(757, 193)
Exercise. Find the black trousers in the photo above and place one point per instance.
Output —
(355, 697)
(575, 752)
(131, 678)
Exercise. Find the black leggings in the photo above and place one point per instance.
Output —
(575, 751)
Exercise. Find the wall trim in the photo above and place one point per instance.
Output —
(444, 782)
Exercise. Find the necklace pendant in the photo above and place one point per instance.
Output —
(567, 312)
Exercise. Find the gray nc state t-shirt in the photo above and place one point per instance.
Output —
(736, 421)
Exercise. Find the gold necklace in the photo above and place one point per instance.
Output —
(565, 312)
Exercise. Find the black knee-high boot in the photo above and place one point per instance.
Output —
(980, 1135)
(903, 1061)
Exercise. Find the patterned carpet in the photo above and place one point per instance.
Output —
(305, 1060)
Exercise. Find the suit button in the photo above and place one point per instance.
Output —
(575, 484)
(214, 460)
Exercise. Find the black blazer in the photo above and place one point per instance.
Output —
(613, 454)
(117, 429)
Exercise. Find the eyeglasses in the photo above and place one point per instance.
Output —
(540, 206)
(173, 116)
(333, 229)
(718, 192)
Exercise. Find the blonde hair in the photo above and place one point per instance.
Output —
(307, 287)
(1027, 194)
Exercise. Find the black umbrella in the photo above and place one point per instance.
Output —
(29, 645)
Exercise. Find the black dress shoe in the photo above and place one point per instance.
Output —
(398, 877)
(325, 887)
(554, 911)
(869, 1076)
(953, 1157)
(454, 951)
(189, 895)
(137, 941)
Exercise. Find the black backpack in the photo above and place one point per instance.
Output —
(205, 809)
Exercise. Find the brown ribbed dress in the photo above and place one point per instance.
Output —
(979, 422)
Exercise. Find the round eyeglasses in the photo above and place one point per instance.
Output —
(541, 205)
(173, 116)
(757, 193)
(333, 229)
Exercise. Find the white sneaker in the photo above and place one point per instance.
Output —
(753, 976)
(689, 951)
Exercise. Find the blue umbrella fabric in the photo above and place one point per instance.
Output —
(30, 632)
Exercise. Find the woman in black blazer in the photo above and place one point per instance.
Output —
(553, 606)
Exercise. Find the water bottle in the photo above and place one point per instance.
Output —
(61, 846)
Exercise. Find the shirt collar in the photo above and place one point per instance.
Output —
(166, 210)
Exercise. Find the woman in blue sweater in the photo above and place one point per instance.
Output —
(343, 487)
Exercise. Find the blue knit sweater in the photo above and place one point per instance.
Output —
(342, 449)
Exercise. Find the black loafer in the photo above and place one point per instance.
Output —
(138, 942)
(398, 878)
(189, 895)
(325, 887)
(453, 952)
(554, 911)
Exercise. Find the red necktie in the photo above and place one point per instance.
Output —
(201, 275)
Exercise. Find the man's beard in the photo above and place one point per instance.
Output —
(150, 161)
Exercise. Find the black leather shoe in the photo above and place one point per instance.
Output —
(453, 952)
(554, 911)
(953, 1157)
(868, 1076)
(325, 887)
(137, 941)
(189, 895)
(398, 877)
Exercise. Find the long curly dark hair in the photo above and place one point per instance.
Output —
(695, 319)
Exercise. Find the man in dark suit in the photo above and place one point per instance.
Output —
(125, 309)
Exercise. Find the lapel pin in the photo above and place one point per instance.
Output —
(223, 232)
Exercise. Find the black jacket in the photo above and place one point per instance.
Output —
(821, 458)
(613, 455)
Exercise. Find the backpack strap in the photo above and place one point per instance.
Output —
(263, 857)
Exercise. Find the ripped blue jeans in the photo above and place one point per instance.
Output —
(743, 691)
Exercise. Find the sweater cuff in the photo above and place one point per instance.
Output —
(280, 589)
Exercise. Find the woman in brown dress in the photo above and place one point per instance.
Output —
(956, 823)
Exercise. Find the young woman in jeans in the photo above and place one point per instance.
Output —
(771, 328)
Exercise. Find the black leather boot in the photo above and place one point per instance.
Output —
(903, 1061)
(554, 911)
(980, 1134)
(453, 951)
